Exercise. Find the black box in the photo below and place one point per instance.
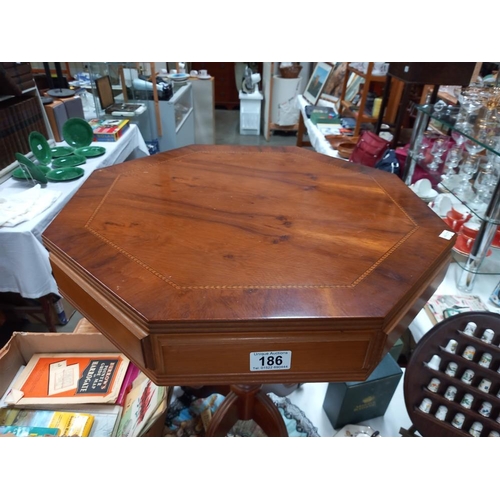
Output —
(353, 402)
(433, 73)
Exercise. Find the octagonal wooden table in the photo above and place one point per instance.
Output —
(238, 266)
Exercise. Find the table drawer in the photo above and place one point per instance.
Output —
(187, 359)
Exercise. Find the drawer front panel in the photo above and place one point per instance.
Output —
(213, 358)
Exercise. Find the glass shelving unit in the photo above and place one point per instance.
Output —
(475, 263)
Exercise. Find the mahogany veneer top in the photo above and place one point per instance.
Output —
(226, 234)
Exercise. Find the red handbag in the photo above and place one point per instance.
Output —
(369, 149)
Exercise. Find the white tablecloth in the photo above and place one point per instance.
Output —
(484, 284)
(316, 138)
(24, 261)
(310, 398)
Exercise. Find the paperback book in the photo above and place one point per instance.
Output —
(141, 403)
(26, 431)
(106, 418)
(440, 307)
(69, 424)
(51, 379)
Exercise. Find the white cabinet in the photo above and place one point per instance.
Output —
(176, 119)
(167, 124)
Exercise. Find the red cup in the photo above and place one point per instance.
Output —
(455, 220)
(464, 243)
(457, 214)
(496, 239)
(469, 231)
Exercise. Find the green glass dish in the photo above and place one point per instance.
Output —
(68, 161)
(40, 148)
(34, 171)
(65, 174)
(60, 151)
(77, 132)
(20, 174)
(91, 151)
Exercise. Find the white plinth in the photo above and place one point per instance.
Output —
(250, 106)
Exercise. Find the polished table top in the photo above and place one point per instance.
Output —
(192, 259)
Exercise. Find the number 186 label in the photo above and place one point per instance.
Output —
(271, 360)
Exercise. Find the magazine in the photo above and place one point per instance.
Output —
(440, 307)
(69, 378)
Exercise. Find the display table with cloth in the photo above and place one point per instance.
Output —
(24, 261)
(483, 287)
(316, 138)
(229, 267)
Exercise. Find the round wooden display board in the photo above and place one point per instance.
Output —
(418, 375)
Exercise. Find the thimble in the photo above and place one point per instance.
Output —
(494, 434)
(484, 385)
(434, 362)
(475, 429)
(467, 377)
(441, 412)
(458, 420)
(425, 405)
(433, 385)
(469, 352)
(470, 328)
(488, 335)
(467, 401)
(451, 369)
(485, 360)
(450, 393)
(485, 409)
(451, 346)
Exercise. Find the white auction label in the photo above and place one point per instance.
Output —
(270, 360)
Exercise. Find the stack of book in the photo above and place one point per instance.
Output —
(15, 77)
(81, 395)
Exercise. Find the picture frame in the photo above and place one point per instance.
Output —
(318, 79)
(333, 85)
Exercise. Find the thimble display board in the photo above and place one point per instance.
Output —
(453, 388)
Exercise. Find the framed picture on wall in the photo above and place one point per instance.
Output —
(317, 81)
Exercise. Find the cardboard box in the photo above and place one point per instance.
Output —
(108, 130)
(396, 349)
(21, 347)
(57, 116)
(353, 402)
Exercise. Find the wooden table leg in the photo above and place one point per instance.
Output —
(46, 303)
(247, 402)
(300, 133)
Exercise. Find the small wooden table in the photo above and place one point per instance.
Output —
(219, 265)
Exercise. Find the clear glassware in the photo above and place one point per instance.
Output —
(460, 129)
(467, 170)
(492, 142)
(437, 151)
(481, 135)
(483, 182)
(492, 113)
(422, 145)
(471, 100)
(453, 158)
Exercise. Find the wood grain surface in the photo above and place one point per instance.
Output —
(208, 252)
